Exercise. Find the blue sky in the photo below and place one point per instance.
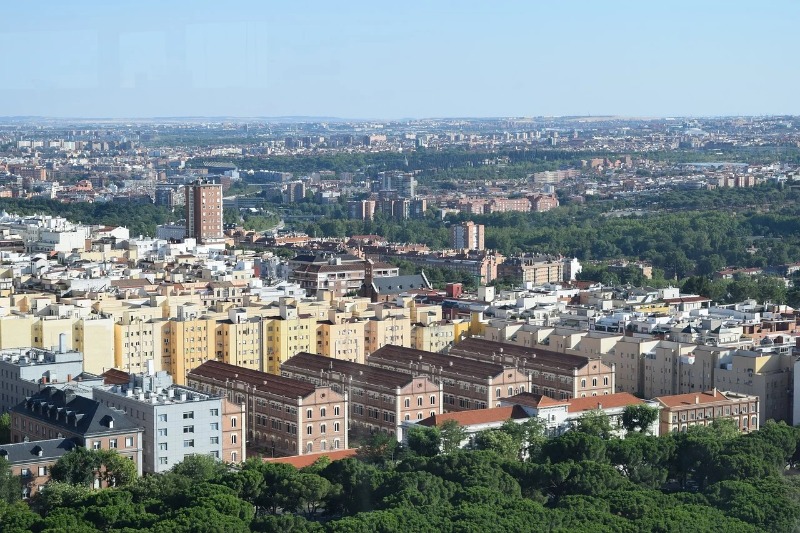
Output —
(409, 59)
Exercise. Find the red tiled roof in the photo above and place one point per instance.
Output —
(620, 399)
(477, 416)
(530, 399)
(691, 398)
(302, 461)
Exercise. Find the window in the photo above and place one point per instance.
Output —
(128, 442)
(163, 460)
(162, 432)
(594, 382)
(408, 417)
(605, 381)
(407, 403)
(336, 411)
(162, 446)
(233, 438)
(322, 429)
(323, 412)
(189, 443)
(309, 447)
(233, 421)
(25, 472)
(162, 418)
(42, 470)
(336, 427)
(309, 414)
(335, 444)
(511, 391)
(214, 440)
(419, 401)
(188, 414)
(234, 455)
(213, 412)
(433, 400)
(309, 430)
(419, 416)
(583, 383)
(214, 426)
(112, 443)
(96, 445)
(188, 429)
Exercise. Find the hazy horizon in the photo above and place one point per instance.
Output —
(360, 61)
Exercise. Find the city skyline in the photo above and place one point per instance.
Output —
(394, 62)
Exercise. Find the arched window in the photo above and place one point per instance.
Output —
(322, 429)
(408, 403)
(336, 427)
(594, 382)
(233, 422)
(336, 411)
(497, 392)
(309, 430)
(605, 381)
(309, 414)
(336, 444)
(309, 447)
(419, 416)
(323, 445)
(510, 391)
(233, 438)
(234, 456)
(583, 383)
(433, 400)
(322, 412)
(419, 401)
(407, 417)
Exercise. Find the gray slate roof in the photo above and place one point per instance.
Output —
(61, 407)
(40, 450)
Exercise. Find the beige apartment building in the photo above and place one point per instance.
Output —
(380, 399)
(682, 411)
(466, 383)
(560, 376)
(341, 340)
(284, 416)
(390, 325)
(628, 357)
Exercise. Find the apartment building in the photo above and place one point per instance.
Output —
(682, 411)
(532, 269)
(31, 461)
(390, 325)
(283, 416)
(439, 335)
(467, 236)
(341, 340)
(139, 339)
(203, 212)
(25, 372)
(176, 421)
(466, 383)
(241, 340)
(561, 376)
(627, 357)
(380, 399)
(53, 413)
(340, 274)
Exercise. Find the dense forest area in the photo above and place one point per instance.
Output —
(513, 479)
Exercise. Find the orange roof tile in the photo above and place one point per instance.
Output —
(608, 401)
(302, 461)
(477, 416)
(691, 398)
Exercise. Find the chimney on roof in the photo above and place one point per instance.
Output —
(599, 406)
(696, 399)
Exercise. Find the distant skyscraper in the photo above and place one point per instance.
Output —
(204, 212)
(467, 236)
